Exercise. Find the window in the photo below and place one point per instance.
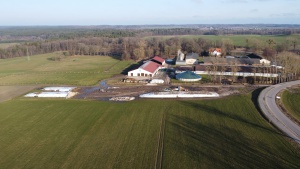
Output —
(142, 74)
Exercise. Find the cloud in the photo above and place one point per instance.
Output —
(254, 10)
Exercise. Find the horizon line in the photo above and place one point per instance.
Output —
(153, 24)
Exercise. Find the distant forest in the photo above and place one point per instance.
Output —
(139, 42)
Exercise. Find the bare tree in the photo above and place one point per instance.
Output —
(226, 46)
(234, 68)
(293, 41)
(290, 63)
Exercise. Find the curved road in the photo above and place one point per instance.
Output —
(267, 103)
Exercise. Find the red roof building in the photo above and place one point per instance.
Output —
(159, 60)
(150, 66)
(215, 50)
(148, 69)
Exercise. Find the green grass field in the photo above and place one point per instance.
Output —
(240, 40)
(72, 70)
(291, 102)
(59, 133)
(6, 45)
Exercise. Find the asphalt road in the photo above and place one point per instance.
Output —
(267, 103)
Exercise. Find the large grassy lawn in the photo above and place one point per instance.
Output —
(291, 102)
(72, 70)
(59, 133)
(78, 134)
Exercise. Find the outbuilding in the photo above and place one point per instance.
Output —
(192, 59)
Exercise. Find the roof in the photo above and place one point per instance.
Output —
(192, 56)
(215, 49)
(158, 59)
(150, 66)
(254, 56)
(188, 75)
(228, 68)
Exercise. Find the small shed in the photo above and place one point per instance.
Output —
(188, 76)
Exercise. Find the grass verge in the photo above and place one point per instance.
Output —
(291, 101)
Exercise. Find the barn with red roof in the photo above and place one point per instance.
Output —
(158, 60)
(149, 68)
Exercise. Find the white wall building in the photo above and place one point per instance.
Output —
(215, 51)
(148, 69)
(265, 62)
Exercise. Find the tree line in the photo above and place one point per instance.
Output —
(137, 48)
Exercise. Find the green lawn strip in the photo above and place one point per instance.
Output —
(59, 133)
(291, 103)
(71, 70)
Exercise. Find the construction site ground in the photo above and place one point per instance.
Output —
(125, 90)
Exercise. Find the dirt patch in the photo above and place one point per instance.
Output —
(99, 93)
(10, 92)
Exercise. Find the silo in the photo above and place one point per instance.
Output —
(181, 56)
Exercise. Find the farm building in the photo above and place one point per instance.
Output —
(159, 60)
(180, 58)
(254, 56)
(192, 59)
(148, 69)
(188, 76)
(265, 62)
(215, 51)
(231, 70)
(231, 61)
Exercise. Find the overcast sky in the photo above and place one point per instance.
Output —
(137, 12)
